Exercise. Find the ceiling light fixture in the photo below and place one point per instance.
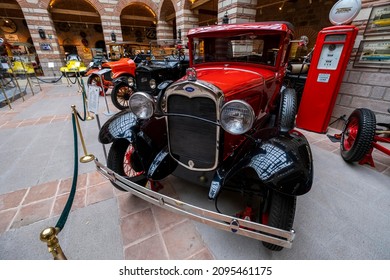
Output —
(281, 7)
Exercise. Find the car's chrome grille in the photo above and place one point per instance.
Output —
(192, 140)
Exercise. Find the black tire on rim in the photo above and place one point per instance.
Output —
(120, 95)
(121, 159)
(94, 80)
(287, 110)
(280, 213)
(357, 135)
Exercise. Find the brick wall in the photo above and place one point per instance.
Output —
(364, 87)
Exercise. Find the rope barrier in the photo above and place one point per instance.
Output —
(75, 80)
(51, 81)
(65, 213)
(49, 235)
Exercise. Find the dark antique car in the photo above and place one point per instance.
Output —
(98, 58)
(228, 125)
(148, 74)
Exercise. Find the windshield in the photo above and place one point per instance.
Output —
(250, 48)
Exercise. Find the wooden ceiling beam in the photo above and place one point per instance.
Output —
(198, 3)
(138, 18)
(74, 12)
(10, 6)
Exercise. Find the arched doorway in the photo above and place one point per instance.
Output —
(207, 11)
(78, 27)
(138, 23)
(14, 30)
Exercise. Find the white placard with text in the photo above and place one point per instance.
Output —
(93, 99)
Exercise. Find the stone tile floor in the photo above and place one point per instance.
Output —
(148, 232)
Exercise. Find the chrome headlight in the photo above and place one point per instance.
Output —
(237, 117)
(130, 81)
(142, 105)
(152, 83)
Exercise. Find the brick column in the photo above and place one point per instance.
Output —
(111, 23)
(185, 19)
(238, 11)
(37, 18)
(164, 31)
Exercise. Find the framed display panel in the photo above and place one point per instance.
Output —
(379, 21)
(373, 53)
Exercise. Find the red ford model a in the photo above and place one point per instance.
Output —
(227, 125)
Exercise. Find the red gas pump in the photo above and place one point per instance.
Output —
(330, 58)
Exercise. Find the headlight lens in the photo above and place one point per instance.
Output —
(130, 80)
(142, 105)
(237, 117)
(152, 83)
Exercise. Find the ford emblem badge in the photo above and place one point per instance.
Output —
(189, 89)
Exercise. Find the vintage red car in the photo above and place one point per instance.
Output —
(123, 59)
(227, 125)
(124, 67)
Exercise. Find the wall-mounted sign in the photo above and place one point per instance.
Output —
(379, 21)
(373, 53)
(45, 47)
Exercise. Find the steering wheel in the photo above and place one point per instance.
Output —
(178, 54)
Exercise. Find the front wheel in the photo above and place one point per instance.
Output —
(120, 95)
(279, 212)
(357, 135)
(123, 160)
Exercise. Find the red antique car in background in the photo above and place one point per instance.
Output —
(124, 67)
(227, 125)
(123, 59)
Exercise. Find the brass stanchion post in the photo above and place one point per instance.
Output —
(49, 235)
(6, 97)
(67, 79)
(87, 157)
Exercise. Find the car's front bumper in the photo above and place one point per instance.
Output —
(236, 225)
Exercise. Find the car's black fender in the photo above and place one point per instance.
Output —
(148, 137)
(282, 163)
(123, 124)
(121, 79)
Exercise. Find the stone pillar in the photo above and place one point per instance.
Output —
(186, 19)
(164, 32)
(48, 49)
(111, 23)
(239, 11)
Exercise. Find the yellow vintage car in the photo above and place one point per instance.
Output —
(73, 65)
(21, 67)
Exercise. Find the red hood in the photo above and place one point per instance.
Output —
(232, 79)
(120, 63)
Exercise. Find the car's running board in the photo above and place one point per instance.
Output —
(236, 225)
